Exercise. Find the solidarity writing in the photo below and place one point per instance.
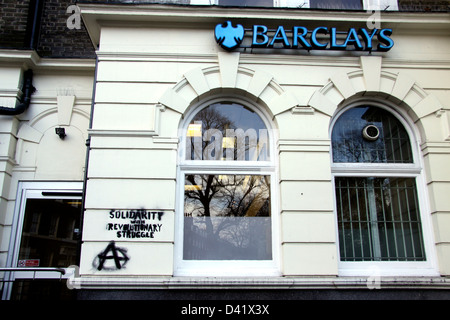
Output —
(135, 224)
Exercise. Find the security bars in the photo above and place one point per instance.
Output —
(379, 219)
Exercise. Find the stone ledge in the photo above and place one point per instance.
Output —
(276, 283)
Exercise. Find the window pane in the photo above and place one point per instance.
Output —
(423, 6)
(246, 3)
(336, 4)
(42, 289)
(227, 217)
(349, 144)
(379, 219)
(227, 131)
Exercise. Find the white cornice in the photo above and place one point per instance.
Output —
(97, 15)
(202, 13)
(30, 59)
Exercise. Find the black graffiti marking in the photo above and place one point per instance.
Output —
(119, 255)
(138, 214)
(138, 226)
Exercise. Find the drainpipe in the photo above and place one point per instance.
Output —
(86, 166)
(27, 90)
(31, 41)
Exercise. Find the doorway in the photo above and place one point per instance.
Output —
(45, 242)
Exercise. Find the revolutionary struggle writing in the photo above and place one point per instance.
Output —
(135, 224)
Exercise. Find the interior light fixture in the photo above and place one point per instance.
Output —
(194, 130)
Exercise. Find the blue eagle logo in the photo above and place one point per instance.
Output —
(229, 37)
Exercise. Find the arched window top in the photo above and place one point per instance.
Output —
(227, 131)
(369, 134)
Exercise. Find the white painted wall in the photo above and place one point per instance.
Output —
(144, 87)
(137, 73)
(30, 148)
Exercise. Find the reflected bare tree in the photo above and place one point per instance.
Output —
(349, 145)
(208, 119)
(221, 210)
(226, 206)
(212, 135)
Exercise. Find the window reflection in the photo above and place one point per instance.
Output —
(349, 145)
(249, 3)
(227, 131)
(227, 217)
(48, 235)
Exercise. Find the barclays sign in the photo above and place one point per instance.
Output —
(231, 37)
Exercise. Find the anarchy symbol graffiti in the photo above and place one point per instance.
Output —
(116, 255)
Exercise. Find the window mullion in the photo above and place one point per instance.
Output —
(359, 220)
(350, 218)
(369, 222)
(374, 220)
(383, 207)
(393, 223)
(341, 203)
(400, 218)
(408, 208)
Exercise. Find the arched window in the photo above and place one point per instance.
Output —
(378, 191)
(226, 208)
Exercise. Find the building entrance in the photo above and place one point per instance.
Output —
(46, 244)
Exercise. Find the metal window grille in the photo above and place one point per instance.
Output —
(349, 145)
(379, 219)
(337, 4)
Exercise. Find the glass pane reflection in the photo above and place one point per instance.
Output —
(246, 3)
(392, 146)
(227, 131)
(379, 219)
(336, 4)
(227, 217)
(48, 235)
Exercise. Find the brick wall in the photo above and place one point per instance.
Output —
(13, 23)
(56, 39)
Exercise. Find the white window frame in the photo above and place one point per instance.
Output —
(33, 190)
(226, 268)
(414, 170)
